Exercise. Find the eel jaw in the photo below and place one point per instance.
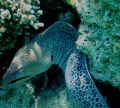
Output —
(8, 83)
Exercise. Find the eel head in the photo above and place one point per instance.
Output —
(25, 65)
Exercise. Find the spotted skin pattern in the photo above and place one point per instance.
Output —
(80, 84)
(56, 45)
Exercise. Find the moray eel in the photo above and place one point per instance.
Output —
(56, 45)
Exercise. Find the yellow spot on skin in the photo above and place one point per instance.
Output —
(38, 50)
(32, 54)
(17, 61)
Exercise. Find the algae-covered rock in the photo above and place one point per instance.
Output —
(99, 38)
(19, 97)
(24, 96)
(73, 3)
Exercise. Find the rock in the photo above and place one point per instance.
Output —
(99, 38)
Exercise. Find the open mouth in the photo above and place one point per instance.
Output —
(17, 80)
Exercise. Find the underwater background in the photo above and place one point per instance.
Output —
(98, 25)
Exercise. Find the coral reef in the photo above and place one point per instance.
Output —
(99, 38)
(19, 97)
(16, 15)
(73, 3)
(23, 97)
(57, 98)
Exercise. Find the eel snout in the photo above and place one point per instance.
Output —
(8, 83)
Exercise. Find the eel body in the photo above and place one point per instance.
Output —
(56, 45)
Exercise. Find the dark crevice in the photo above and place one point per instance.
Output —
(51, 10)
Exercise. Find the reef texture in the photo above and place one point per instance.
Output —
(99, 37)
(16, 15)
(19, 97)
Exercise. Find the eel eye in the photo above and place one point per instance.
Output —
(15, 73)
